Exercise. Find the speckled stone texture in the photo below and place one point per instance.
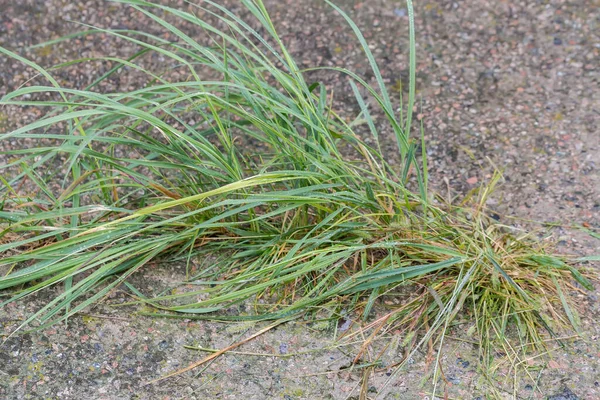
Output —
(512, 85)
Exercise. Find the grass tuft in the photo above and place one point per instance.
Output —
(244, 162)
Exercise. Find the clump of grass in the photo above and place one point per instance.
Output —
(259, 182)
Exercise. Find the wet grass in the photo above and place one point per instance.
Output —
(254, 172)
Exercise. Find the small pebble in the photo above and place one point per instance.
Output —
(400, 12)
(462, 362)
(345, 325)
(566, 394)
(283, 348)
(162, 345)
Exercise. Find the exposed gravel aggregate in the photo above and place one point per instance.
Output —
(515, 85)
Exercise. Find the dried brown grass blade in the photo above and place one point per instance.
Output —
(217, 354)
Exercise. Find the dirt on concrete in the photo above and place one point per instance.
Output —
(508, 85)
